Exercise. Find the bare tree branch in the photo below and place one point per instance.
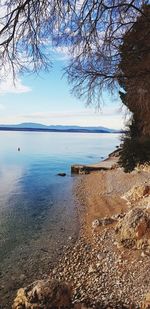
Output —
(92, 30)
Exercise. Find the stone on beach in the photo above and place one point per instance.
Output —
(95, 223)
(137, 193)
(45, 294)
(134, 229)
(146, 301)
(104, 221)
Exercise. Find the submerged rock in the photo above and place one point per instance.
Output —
(134, 229)
(61, 174)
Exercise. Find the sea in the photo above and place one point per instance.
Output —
(38, 211)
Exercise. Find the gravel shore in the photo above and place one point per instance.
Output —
(108, 266)
(101, 272)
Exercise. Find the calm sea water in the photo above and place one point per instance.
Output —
(36, 206)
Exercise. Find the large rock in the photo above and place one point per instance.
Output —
(43, 294)
(143, 167)
(134, 229)
(146, 302)
(137, 193)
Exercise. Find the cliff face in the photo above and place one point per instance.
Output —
(135, 70)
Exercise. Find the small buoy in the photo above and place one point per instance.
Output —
(18, 148)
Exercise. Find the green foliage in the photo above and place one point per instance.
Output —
(134, 149)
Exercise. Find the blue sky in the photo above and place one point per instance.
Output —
(46, 99)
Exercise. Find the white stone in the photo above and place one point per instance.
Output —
(91, 269)
(95, 223)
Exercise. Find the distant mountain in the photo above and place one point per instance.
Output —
(29, 126)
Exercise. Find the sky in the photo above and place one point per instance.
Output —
(46, 98)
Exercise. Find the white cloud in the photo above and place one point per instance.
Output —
(7, 85)
(109, 117)
(84, 113)
(60, 53)
(93, 111)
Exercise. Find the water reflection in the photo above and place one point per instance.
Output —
(28, 177)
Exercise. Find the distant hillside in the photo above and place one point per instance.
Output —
(29, 126)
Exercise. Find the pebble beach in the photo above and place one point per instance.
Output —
(101, 271)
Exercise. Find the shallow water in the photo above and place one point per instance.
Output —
(37, 208)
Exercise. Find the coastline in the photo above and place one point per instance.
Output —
(41, 222)
(99, 269)
(101, 272)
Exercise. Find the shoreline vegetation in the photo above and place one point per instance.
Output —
(108, 266)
